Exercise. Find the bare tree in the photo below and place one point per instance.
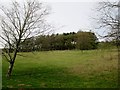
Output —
(108, 17)
(19, 22)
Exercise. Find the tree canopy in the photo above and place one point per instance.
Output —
(65, 41)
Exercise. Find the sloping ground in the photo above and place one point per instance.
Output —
(64, 69)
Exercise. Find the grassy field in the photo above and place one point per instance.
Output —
(64, 69)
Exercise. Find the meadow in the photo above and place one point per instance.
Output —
(63, 69)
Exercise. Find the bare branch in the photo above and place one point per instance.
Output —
(20, 22)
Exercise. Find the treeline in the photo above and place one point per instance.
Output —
(66, 41)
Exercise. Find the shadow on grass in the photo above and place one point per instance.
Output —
(53, 77)
(36, 72)
(42, 77)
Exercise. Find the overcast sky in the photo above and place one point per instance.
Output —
(73, 15)
(69, 15)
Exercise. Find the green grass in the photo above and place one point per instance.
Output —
(64, 69)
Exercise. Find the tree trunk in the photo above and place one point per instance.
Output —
(10, 69)
(11, 64)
